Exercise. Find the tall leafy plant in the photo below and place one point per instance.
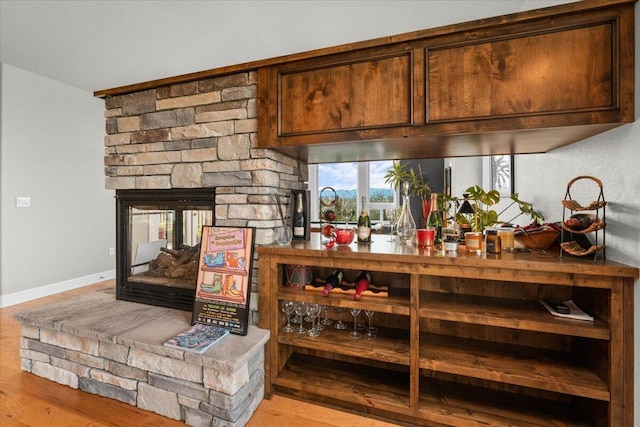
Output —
(400, 172)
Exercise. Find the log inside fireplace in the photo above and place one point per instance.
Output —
(158, 244)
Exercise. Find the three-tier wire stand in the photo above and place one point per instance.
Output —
(596, 229)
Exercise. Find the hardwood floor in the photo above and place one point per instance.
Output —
(28, 400)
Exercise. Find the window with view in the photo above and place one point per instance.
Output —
(350, 182)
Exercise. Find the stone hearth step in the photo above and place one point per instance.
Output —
(113, 348)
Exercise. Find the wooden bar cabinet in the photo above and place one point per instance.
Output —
(463, 338)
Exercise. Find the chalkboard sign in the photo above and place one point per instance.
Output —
(223, 286)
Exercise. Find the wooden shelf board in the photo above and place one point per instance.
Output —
(476, 406)
(534, 368)
(507, 313)
(385, 393)
(390, 346)
(346, 382)
(394, 304)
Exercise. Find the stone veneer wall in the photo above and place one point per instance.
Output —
(201, 134)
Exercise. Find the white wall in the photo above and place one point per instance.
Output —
(52, 151)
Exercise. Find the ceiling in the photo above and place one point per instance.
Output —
(94, 45)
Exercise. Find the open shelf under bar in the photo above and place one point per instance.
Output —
(506, 313)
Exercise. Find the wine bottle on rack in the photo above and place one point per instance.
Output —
(580, 221)
(364, 224)
(362, 284)
(299, 220)
(435, 219)
(332, 281)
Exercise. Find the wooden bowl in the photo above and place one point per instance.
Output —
(537, 240)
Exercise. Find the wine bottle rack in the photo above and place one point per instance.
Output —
(597, 227)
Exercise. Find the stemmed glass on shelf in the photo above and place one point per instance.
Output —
(319, 325)
(300, 309)
(287, 309)
(370, 332)
(326, 321)
(355, 334)
(340, 325)
(313, 311)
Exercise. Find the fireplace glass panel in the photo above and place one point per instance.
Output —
(158, 244)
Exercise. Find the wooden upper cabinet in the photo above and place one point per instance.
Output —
(360, 94)
(523, 83)
(564, 71)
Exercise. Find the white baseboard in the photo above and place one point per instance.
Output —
(54, 288)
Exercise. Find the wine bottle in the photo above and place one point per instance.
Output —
(362, 283)
(299, 220)
(329, 215)
(580, 221)
(332, 281)
(435, 218)
(364, 224)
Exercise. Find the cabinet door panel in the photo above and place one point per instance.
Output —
(558, 72)
(362, 94)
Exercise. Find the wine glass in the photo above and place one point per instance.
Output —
(340, 324)
(359, 325)
(370, 332)
(355, 334)
(326, 321)
(287, 309)
(301, 309)
(313, 311)
(392, 214)
(319, 326)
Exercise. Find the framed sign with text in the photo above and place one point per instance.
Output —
(223, 285)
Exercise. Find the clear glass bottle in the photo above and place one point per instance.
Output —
(406, 224)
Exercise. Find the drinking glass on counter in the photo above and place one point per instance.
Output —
(283, 235)
(507, 238)
(425, 237)
(392, 214)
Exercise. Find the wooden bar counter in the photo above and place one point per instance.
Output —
(462, 338)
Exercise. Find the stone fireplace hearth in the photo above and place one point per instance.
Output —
(200, 135)
(115, 349)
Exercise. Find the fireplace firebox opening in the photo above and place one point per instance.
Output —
(158, 244)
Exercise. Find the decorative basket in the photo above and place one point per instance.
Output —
(537, 240)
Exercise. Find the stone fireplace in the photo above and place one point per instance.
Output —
(197, 138)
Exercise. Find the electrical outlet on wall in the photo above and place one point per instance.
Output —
(112, 251)
(23, 202)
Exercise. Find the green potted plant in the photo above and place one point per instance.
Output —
(420, 186)
(483, 216)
